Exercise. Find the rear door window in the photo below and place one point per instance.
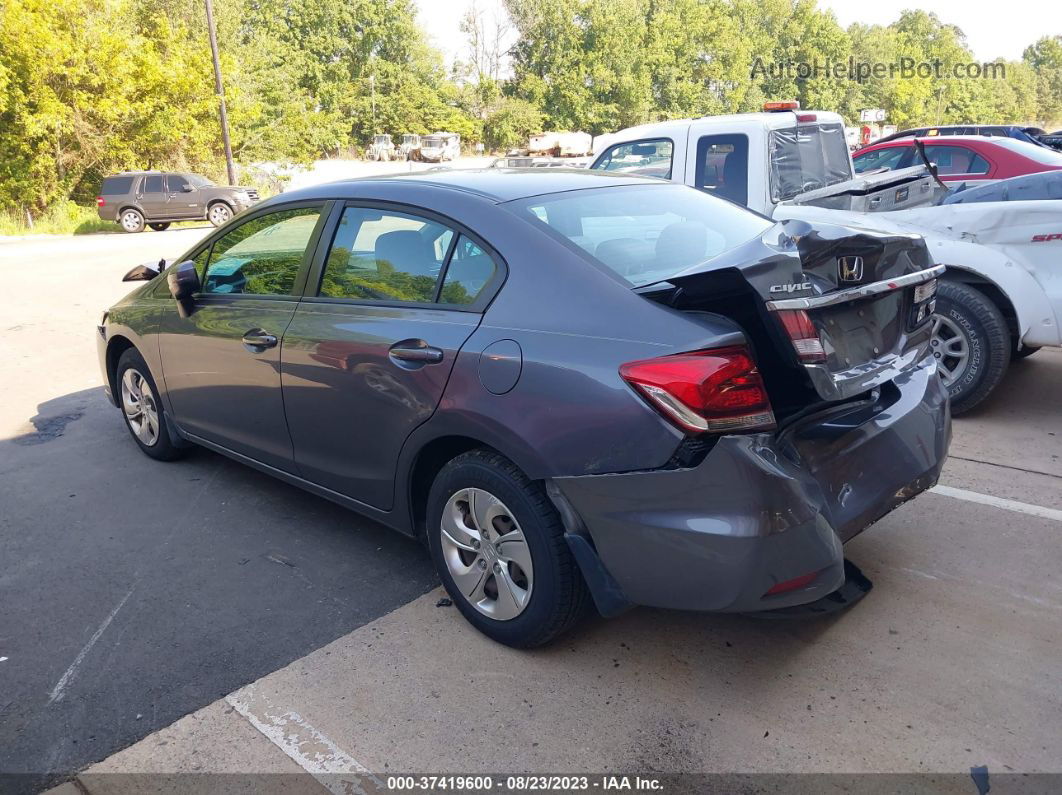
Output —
(152, 184)
(723, 167)
(379, 255)
(646, 158)
(952, 160)
(262, 256)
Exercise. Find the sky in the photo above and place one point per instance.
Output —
(989, 33)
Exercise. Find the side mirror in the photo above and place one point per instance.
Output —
(184, 284)
(145, 272)
(187, 188)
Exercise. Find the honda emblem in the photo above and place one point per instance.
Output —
(850, 269)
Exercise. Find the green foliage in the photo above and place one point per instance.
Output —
(90, 87)
(511, 124)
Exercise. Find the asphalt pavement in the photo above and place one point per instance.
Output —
(133, 593)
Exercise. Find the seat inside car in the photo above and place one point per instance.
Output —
(406, 250)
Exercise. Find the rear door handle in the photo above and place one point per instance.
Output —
(417, 354)
(259, 340)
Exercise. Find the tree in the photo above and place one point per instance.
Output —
(512, 124)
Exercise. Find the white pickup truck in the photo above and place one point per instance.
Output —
(1001, 296)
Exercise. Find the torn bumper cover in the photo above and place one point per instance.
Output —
(760, 510)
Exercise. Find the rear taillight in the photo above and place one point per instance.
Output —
(716, 390)
(803, 334)
(99, 201)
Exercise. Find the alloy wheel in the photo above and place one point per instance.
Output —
(950, 347)
(130, 221)
(141, 410)
(487, 554)
(220, 214)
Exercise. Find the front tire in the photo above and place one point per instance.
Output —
(219, 213)
(142, 409)
(498, 545)
(131, 220)
(971, 343)
(160, 227)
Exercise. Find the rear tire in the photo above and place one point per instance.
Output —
(524, 591)
(142, 410)
(971, 342)
(160, 227)
(131, 220)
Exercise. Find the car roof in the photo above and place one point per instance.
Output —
(934, 140)
(494, 184)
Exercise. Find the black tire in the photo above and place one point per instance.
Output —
(1025, 352)
(219, 213)
(972, 314)
(160, 227)
(161, 447)
(558, 596)
(131, 220)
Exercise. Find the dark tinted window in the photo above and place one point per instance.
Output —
(469, 271)
(723, 166)
(116, 186)
(152, 184)
(648, 158)
(177, 183)
(380, 255)
(262, 256)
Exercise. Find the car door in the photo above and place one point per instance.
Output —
(221, 364)
(370, 348)
(151, 196)
(182, 198)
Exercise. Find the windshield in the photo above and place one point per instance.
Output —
(807, 158)
(431, 141)
(644, 233)
(199, 182)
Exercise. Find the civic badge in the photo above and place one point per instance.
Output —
(850, 269)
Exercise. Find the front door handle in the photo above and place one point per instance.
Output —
(416, 354)
(258, 340)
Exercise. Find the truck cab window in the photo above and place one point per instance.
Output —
(723, 167)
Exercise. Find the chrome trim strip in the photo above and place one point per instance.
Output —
(855, 293)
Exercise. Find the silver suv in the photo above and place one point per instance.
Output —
(135, 199)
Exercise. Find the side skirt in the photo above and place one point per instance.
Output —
(383, 517)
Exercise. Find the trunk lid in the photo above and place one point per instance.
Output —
(847, 306)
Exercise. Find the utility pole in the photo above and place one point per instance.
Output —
(220, 92)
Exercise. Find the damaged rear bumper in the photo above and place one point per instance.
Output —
(759, 510)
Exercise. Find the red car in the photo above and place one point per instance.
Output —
(962, 158)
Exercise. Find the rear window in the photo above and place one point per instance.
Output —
(644, 233)
(116, 186)
(807, 158)
(1035, 152)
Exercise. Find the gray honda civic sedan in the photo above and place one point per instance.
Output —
(573, 387)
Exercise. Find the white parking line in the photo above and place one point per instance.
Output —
(999, 502)
(302, 743)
